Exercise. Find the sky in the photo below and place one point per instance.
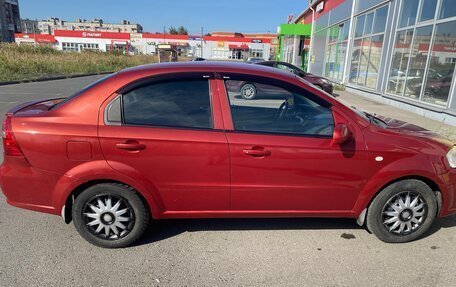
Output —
(248, 16)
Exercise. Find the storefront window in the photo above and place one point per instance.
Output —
(401, 53)
(448, 9)
(363, 61)
(418, 60)
(354, 65)
(408, 13)
(428, 10)
(359, 26)
(346, 30)
(374, 61)
(367, 51)
(380, 20)
(337, 48)
(368, 24)
(442, 64)
(424, 70)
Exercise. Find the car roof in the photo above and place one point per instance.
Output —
(207, 66)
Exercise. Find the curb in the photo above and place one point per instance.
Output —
(52, 78)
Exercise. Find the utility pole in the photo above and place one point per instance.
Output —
(202, 42)
(164, 34)
(34, 33)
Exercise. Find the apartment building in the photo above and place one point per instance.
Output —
(9, 20)
(48, 26)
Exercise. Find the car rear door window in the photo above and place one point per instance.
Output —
(277, 110)
(181, 103)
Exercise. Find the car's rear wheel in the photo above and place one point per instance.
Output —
(110, 215)
(402, 212)
(248, 91)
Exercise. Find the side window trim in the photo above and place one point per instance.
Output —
(279, 83)
(296, 91)
(156, 80)
(109, 121)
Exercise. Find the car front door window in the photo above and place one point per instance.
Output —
(278, 110)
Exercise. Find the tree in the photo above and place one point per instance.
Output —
(182, 30)
(172, 30)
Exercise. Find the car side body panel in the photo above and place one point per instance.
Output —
(44, 179)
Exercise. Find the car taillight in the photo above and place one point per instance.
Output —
(10, 146)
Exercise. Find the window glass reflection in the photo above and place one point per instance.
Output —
(442, 64)
(380, 20)
(418, 60)
(401, 53)
(364, 61)
(374, 61)
(428, 10)
(408, 13)
(448, 9)
(359, 26)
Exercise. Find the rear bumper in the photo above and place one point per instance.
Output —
(27, 187)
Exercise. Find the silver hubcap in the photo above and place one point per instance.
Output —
(108, 217)
(248, 91)
(404, 213)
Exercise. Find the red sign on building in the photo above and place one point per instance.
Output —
(92, 34)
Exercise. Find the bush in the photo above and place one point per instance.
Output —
(31, 62)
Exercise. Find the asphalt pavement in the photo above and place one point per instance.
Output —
(40, 250)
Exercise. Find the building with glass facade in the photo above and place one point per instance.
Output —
(402, 52)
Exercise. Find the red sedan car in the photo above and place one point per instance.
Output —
(171, 141)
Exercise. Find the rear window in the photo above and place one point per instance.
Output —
(67, 99)
(182, 103)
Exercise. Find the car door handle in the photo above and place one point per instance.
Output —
(257, 152)
(131, 145)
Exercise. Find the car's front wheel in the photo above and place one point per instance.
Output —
(402, 212)
(110, 215)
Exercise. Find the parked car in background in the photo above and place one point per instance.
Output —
(252, 60)
(318, 81)
(436, 85)
(171, 140)
(198, 59)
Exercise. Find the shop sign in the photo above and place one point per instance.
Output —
(91, 35)
(136, 37)
(257, 41)
(451, 49)
(164, 46)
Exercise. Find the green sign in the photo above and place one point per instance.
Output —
(295, 29)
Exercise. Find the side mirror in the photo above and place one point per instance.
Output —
(341, 135)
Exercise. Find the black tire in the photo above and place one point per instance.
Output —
(128, 199)
(377, 218)
(248, 91)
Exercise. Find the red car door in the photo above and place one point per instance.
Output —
(166, 134)
(282, 155)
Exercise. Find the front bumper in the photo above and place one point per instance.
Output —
(448, 193)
